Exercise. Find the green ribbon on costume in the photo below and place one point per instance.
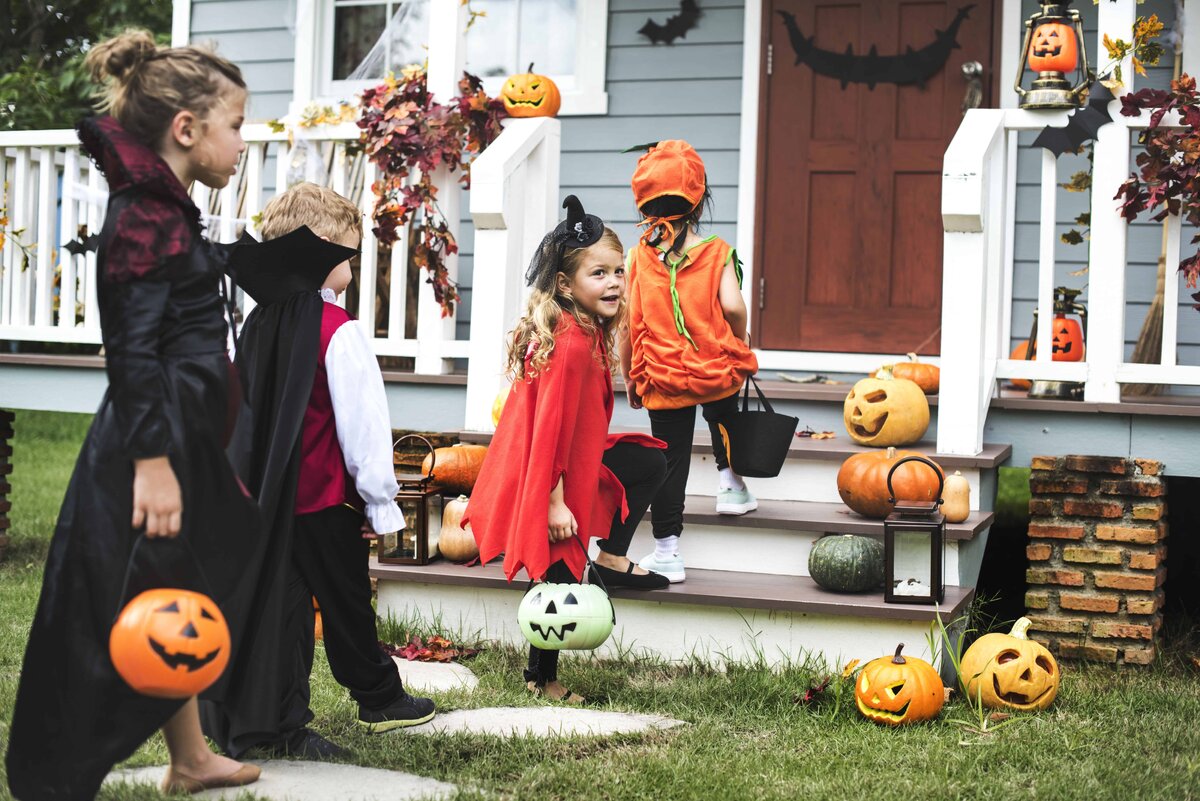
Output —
(676, 309)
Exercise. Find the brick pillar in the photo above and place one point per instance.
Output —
(6, 433)
(1096, 556)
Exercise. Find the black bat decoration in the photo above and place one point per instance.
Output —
(1083, 124)
(914, 66)
(675, 27)
(192, 663)
(82, 244)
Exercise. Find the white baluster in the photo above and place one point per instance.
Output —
(370, 251)
(47, 219)
(95, 221)
(68, 228)
(20, 204)
(1170, 330)
(1047, 238)
(6, 259)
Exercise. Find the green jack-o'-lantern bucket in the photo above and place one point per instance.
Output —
(566, 617)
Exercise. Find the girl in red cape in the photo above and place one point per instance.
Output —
(553, 472)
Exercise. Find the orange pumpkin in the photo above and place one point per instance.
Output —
(1010, 670)
(1066, 340)
(1053, 48)
(926, 376)
(1019, 353)
(456, 468)
(170, 643)
(862, 481)
(456, 543)
(531, 95)
(318, 628)
(894, 690)
(498, 404)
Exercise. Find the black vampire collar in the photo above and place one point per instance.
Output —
(273, 270)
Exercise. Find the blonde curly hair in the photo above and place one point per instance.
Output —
(545, 311)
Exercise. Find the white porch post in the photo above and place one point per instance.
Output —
(447, 57)
(181, 22)
(1106, 253)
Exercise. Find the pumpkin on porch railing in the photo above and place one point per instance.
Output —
(894, 690)
(926, 376)
(457, 466)
(862, 481)
(1010, 671)
(455, 542)
(886, 411)
(1053, 48)
(531, 95)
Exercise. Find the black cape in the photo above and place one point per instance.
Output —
(170, 392)
(276, 360)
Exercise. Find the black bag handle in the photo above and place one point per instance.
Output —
(937, 470)
(594, 572)
(762, 399)
(121, 599)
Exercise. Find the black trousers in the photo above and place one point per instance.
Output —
(641, 471)
(330, 559)
(677, 428)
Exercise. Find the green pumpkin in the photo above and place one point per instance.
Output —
(566, 617)
(846, 563)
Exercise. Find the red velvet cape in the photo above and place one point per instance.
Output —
(555, 424)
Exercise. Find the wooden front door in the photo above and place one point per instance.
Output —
(849, 222)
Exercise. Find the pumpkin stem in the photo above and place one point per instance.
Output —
(1020, 629)
(530, 67)
(891, 453)
(897, 659)
(885, 373)
(912, 357)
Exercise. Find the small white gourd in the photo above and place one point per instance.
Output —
(956, 498)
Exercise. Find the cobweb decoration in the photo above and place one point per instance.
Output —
(403, 42)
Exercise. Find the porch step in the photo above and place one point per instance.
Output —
(715, 615)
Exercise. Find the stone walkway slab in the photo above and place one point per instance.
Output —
(435, 677)
(296, 780)
(541, 721)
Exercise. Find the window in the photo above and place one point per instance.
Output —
(361, 40)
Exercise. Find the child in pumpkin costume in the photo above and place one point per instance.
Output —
(318, 459)
(685, 345)
(553, 472)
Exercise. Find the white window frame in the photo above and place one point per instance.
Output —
(583, 93)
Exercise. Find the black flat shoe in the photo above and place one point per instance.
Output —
(616, 578)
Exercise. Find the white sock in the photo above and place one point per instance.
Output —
(731, 480)
(666, 547)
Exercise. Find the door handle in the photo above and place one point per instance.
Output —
(973, 97)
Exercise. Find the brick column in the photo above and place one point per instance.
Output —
(6, 433)
(1096, 556)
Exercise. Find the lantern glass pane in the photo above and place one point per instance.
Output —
(389, 545)
(911, 575)
(411, 507)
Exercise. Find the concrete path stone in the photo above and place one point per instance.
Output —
(297, 780)
(542, 721)
(424, 677)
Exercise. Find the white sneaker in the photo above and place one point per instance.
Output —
(670, 567)
(735, 502)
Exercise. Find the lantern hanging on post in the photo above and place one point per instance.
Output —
(1068, 343)
(420, 500)
(1054, 46)
(913, 538)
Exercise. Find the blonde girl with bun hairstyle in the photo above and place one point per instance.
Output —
(153, 501)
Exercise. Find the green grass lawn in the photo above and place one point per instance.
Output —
(1110, 735)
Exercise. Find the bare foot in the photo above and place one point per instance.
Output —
(209, 769)
(619, 564)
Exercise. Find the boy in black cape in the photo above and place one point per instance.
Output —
(316, 453)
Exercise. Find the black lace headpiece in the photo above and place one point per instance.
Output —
(579, 230)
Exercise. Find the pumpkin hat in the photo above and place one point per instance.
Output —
(669, 168)
(579, 230)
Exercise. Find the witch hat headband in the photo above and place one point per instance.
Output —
(299, 261)
(579, 230)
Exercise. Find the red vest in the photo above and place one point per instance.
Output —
(323, 481)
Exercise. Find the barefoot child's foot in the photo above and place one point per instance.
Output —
(215, 771)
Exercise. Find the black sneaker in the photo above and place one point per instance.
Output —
(405, 711)
(303, 744)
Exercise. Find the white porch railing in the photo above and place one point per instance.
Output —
(514, 201)
(53, 189)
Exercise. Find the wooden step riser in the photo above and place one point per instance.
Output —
(800, 480)
(770, 551)
(713, 634)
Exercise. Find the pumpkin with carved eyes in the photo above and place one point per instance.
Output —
(1053, 48)
(170, 643)
(894, 690)
(566, 617)
(1010, 671)
(530, 95)
(882, 412)
(1066, 340)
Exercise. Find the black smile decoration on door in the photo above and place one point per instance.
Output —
(913, 66)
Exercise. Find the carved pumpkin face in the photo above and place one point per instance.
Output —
(170, 643)
(574, 617)
(894, 690)
(1010, 671)
(531, 95)
(882, 412)
(1053, 48)
(1066, 340)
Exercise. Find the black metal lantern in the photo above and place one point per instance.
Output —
(913, 538)
(1054, 45)
(420, 500)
